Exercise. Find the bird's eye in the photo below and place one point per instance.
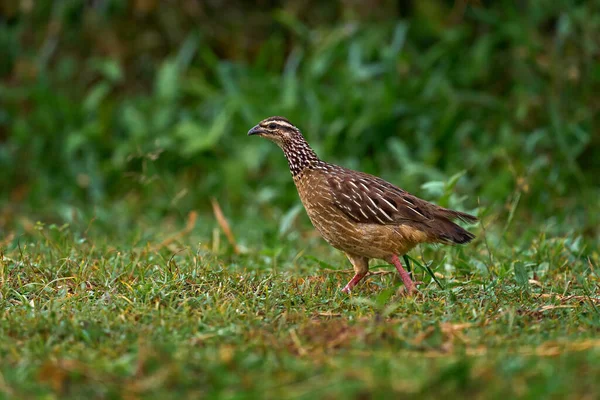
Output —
(272, 126)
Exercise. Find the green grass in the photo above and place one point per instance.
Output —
(117, 280)
(162, 311)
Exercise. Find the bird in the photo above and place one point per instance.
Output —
(360, 214)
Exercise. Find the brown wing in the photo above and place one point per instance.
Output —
(367, 199)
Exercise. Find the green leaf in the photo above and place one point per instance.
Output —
(383, 297)
(197, 138)
(109, 68)
(167, 81)
(288, 219)
(134, 121)
(93, 100)
(521, 275)
(428, 270)
(434, 188)
(454, 180)
(321, 263)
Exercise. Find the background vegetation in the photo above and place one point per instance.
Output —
(123, 137)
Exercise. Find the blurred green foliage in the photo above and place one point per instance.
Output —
(119, 120)
(150, 101)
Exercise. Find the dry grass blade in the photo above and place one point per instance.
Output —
(296, 340)
(552, 307)
(328, 314)
(564, 299)
(555, 348)
(222, 221)
(191, 222)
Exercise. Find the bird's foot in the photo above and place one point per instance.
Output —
(348, 288)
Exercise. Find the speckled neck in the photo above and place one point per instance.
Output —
(299, 155)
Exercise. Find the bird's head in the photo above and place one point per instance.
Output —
(278, 130)
(288, 137)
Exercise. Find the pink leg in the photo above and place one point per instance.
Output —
(361, 268)
(408, 283)
(353, 282)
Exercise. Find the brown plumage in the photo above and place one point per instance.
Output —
(360, 214)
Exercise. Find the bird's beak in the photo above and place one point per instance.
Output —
(255, 131)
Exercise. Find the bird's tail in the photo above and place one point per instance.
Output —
(453, 214)
(449, 232)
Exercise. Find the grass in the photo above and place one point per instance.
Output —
(118, 279)
(160, 311)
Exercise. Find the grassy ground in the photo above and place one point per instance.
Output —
(160, 311)
(116, 136)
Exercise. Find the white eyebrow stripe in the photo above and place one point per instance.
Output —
(280, 123)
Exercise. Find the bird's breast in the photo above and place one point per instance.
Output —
(317, 198)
